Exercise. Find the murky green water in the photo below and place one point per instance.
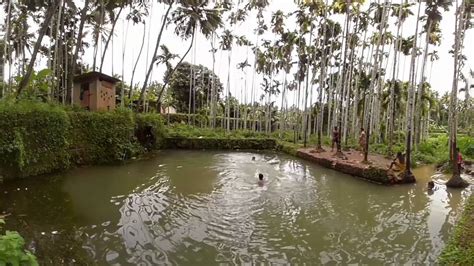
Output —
(206, 208)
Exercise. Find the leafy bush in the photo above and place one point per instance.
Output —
(150, 124)
(221, 143)
(12, 251)
(33, 139)
(101, 137)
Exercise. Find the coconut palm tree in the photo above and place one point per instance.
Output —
(432, 30)
(408, 176)
(460, 27)
(380, 17)
(402, 11)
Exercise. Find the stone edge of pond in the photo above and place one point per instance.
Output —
(460, 248)
(370, 173)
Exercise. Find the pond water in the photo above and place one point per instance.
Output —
(206, 208)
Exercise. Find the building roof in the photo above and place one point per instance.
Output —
(95, 75)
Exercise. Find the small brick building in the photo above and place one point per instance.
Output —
(95, 91)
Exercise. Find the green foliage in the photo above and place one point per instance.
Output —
(217, 143)
(288, 147)
(101, 137)
(201, 78)
(154, 122)
(185, 131)
(39, 85)
(38, 138)
(12, 251)
(33, 139)
(460, 249)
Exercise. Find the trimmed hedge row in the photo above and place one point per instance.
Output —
(37, 138)
(220, 143)
(102, 137)
(32, 139)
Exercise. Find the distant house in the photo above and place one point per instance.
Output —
(94, 91)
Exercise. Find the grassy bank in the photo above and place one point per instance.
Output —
(460, 248)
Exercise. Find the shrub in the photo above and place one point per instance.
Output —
(150, 131)
(33, 139)
(101, 137)
(12, 251)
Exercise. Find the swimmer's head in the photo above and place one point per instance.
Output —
(260, 176)
(430, 185)
(253, 158)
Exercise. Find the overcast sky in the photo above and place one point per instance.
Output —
(441, 77)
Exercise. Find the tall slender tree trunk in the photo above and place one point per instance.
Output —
(373, 81)
(306, 114)
(44, 27)
(54, 68)
(213, 85)
(343, 84)
(175, 67)
(154, 57)
(322, 78)
(98, 34)
(72, 70)
(420, 92)
(408, 175)
(456, 180)
(136, 62)
(109, 38)
(392, 106)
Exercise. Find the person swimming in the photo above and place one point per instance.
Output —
(253, 158)
(431, 185)
(260, 180)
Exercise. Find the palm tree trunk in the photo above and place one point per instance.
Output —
(109, 38)
(456, 180)
(392, 108)
(98, 34)
(420, 86)
(76, 52)
(213, 86)
(136, 62)
(176, 67)
(7, 44)
(408, 175)
(154, 57)
(375, 68)
(56, 50)
(44, 27)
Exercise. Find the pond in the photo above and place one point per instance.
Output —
(207, 208)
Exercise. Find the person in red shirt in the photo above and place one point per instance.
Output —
(460, 161)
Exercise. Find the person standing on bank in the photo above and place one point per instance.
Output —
(335, 138)
(362, 140)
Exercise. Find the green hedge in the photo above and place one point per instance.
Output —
(33, 139)
(38, 138)
(150, 123)
(220, 143)
(102, 137)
